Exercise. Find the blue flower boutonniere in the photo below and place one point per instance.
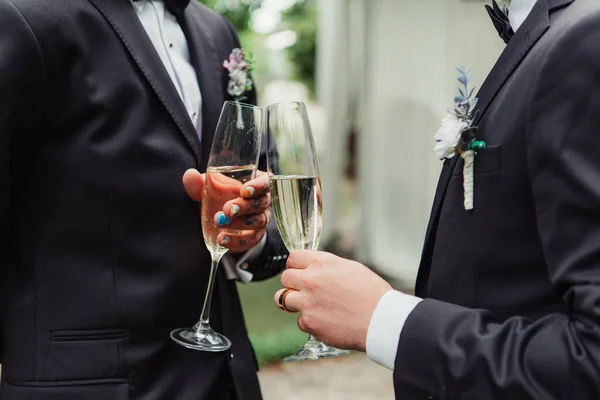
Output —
(457, 134)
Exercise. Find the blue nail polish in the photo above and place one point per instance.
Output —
(225, 240)
(222, 219)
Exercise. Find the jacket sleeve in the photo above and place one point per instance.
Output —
(446, 351)
(21, 81)
(272, 259)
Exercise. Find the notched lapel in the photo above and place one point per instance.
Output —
(536, 24)
(208, 69)
(555, 4)
(121, 16)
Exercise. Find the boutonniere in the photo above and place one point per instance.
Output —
(457, 134)
(239, 67)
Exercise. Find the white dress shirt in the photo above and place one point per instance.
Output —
(518, 12)
(394, 307)
(171, 45)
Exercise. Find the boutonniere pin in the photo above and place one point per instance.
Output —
(239, 67)
(457, 134)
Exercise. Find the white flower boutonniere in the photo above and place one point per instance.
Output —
(448, 135)
(239, 74)
(457, 135)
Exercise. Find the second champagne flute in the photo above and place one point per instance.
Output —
(233, 160)
(296, 193)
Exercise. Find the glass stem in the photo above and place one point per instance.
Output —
(312, 342)
(204, 324)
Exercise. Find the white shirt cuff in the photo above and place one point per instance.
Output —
(386, 325)
(238, 271)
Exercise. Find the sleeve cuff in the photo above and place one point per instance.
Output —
(386, 325)
(238, 270)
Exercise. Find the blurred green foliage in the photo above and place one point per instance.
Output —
(300, 18)
(236, 11)
(274, 334)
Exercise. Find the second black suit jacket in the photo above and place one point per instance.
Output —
(512, 308)
(101, 249)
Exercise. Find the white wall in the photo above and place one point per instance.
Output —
(408, 80)
(413, 48)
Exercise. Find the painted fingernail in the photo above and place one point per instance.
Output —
(234, 210)
(249, 192)
(222, 219)
(225, 240)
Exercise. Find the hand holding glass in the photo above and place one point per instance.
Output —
(233, 160)
(296, 193)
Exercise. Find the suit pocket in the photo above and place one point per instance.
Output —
(487, 161)
(67, 390)
(88, 335)
(82, 355)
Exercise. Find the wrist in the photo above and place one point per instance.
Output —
(375, 299)
(386, 325)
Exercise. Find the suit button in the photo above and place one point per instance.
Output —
(245, 266)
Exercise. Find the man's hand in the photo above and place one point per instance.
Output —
(336, 297)
(249, 214)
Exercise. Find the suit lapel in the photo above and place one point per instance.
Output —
(121, 16)
(209, 70)
(427, 253)
(536, 24)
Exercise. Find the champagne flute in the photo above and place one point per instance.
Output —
(233, 160)
(296, 193)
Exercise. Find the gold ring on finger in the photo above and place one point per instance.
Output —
(282, 297)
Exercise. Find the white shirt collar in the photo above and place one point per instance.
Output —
(140, 4)
(518, 12)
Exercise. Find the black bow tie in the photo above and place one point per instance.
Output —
(174, 6)
(501, 22)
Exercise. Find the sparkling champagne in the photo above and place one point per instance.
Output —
(297, 206)
(222, 185)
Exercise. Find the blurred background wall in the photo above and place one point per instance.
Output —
(411, 50)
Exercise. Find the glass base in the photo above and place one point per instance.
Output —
(315, 350)
(204, 340)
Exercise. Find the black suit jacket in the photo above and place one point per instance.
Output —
(101, 249)
(513, 287)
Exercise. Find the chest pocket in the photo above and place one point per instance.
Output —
(487, 161)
